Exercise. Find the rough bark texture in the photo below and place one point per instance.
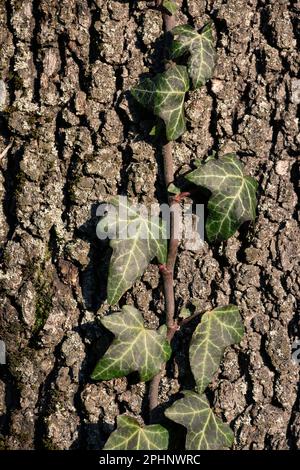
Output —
(66, 66)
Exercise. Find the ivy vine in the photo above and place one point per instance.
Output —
(232, 202)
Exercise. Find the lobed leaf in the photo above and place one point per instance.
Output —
(135, 348)
(164, 96)
(205, 431)
(218, 329)
(200, 46)
(138, 240)
(233, 199)
(129, 435)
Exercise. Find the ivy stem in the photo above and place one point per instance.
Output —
(168, 269)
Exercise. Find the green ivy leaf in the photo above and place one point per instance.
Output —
(170, 6)
(138, 240)
(173, 189)
(202, 58)
(164, 96)
(129, 435)
(184, 313)
(157, 129)
(217, 330)
(233, 199)
(205, 431)
(135, 347)
(153, 132)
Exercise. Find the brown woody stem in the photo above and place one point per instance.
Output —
(167, 270)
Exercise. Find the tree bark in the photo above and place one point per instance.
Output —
(66, 68)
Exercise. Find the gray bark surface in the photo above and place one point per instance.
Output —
(66, 68)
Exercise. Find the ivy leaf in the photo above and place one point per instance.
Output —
(164, 96)
(170, 6)
(157, 129)
(233, 199)
(218, 329)
(135, 347)
(153, 132)
(205, 431)
(184, 313)
(138, 239)
(173, 189)
(129, 435)
(202, 58)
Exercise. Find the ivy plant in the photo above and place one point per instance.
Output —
(200, 49)
(233, 195)
(135, 348)
(138, 241)
(130, 435)
(170, 6)
(164, 95)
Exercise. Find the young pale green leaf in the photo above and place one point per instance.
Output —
(205, 431)
(184, 313)
(164, 96)
(154, 131)
(158, 129)
(170, 6)
(173, 189)
(129, 435)
(138, 239)
(202, 58)
(233, 199)
(135, 348)
(217, 330)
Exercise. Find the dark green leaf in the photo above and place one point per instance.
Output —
(202, 58)
(145, 92)
(135, 348)
(233, 199)
(164, 95)
(205, 431)
(138, 240)
(218, 329)
(170, 6)
(129, 435)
